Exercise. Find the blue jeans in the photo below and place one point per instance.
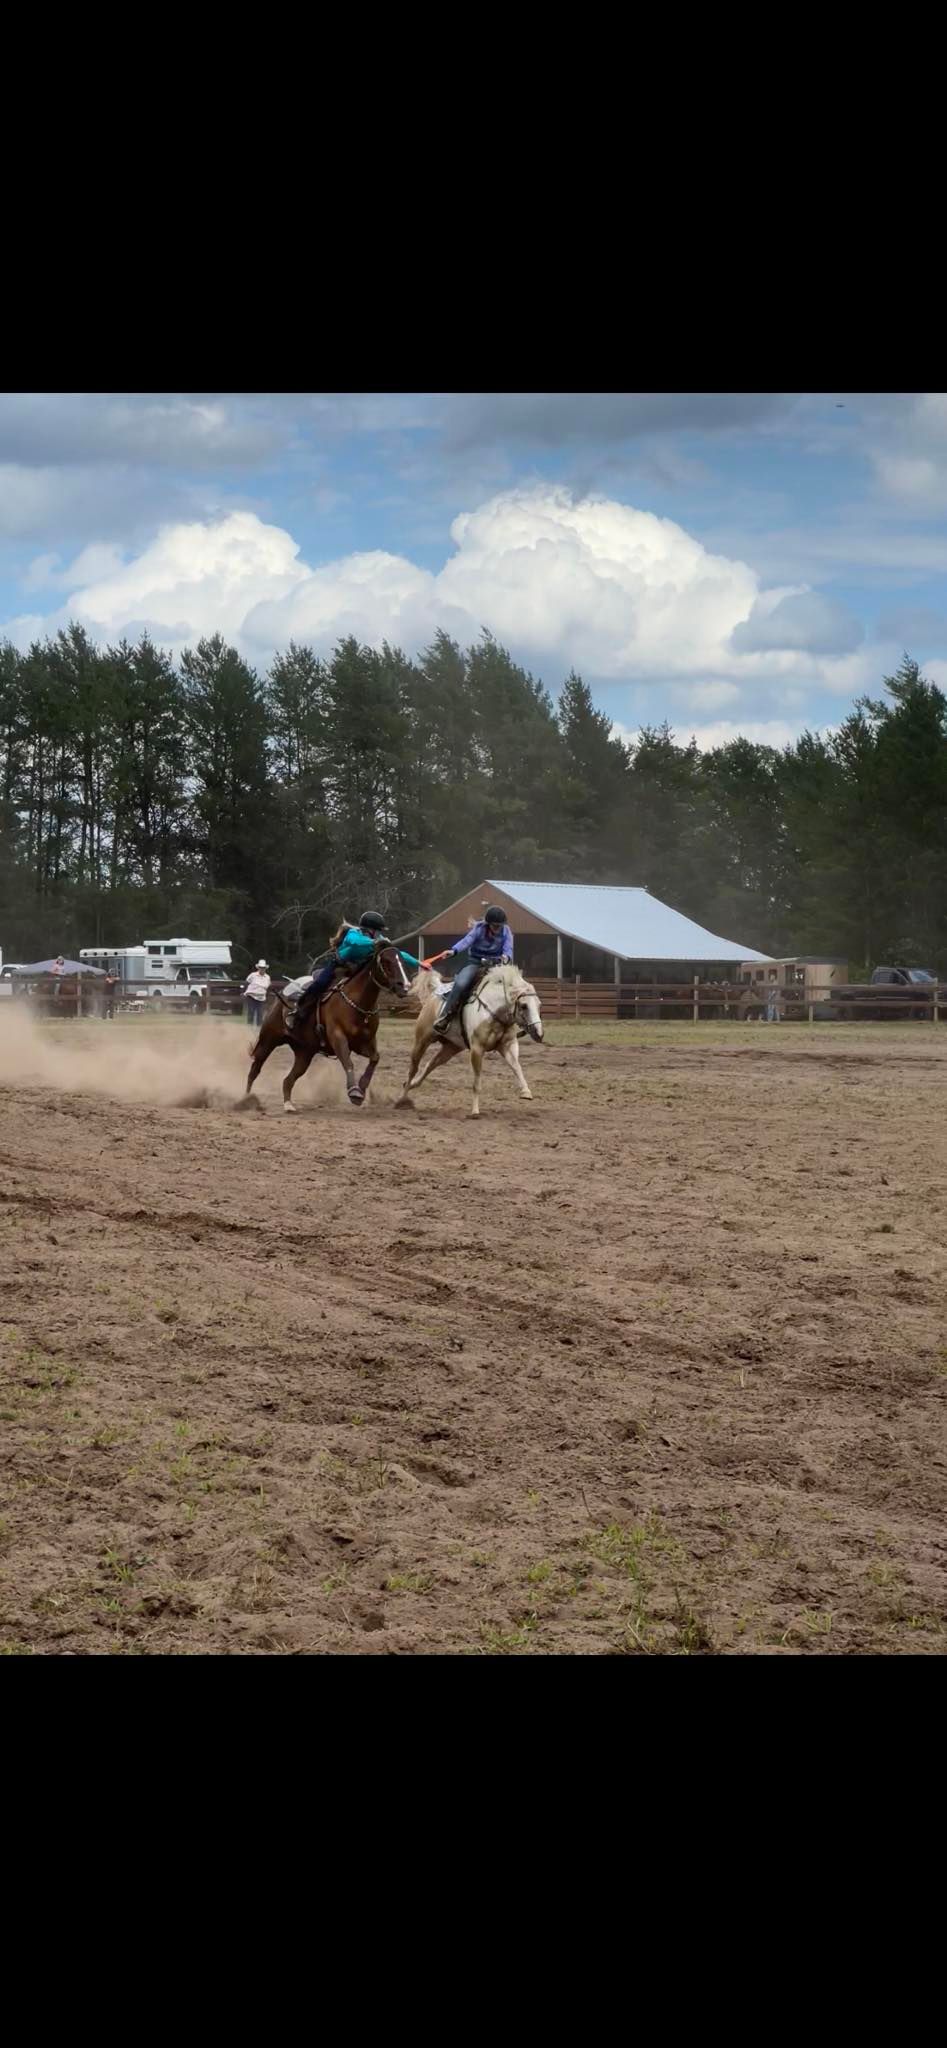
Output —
(317, 986)
(463, 982)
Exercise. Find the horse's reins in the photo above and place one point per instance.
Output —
(339, 990)
(497, 1015)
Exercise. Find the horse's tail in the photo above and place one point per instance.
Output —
(267, 1014)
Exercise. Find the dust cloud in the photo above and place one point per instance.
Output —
(175, 1062)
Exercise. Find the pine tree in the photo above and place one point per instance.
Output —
(234, 817)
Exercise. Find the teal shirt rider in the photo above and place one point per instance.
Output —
(358, 946)
(353, 950)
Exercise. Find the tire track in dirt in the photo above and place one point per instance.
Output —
(279, 1421)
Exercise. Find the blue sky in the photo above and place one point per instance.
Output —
(729, 561)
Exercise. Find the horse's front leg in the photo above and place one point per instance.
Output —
(301, 1063)
(511, 1054)
(476, 1061)
(439, 1058)
(343, 1053)
(365, 1077)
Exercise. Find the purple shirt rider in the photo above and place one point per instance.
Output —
(483, 945)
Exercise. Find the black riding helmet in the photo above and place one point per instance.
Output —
(371, 922)
(494, 916)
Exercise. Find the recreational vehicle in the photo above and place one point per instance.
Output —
(165, 970)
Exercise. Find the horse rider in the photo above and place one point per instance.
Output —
(351, 950)
(489, 944)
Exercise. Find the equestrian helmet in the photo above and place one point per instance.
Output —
(492, 915)
(371, 922)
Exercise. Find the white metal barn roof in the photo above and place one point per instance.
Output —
(627, 922)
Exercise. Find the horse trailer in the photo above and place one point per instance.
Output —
(159, 970)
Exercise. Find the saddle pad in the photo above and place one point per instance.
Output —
(294, 989)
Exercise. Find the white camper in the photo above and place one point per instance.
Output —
(160, 970)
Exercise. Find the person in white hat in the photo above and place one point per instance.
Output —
(255, 993)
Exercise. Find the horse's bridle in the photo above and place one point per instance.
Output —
(339, 990)
(497, 1015)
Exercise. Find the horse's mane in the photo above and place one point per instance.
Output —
(508, 971)
(427, 983)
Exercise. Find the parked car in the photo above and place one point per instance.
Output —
(902, 977)
(894, 986)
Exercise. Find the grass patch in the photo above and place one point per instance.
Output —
(511, 1642)
(811, 1622)
(656, 1606)
(121, 1568)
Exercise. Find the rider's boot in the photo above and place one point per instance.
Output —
(303, 1007)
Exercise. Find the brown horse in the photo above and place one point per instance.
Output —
(348, 1014)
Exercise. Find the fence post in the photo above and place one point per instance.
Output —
(812, 1013)
(577, 999)
(936, 1003)
(696, 999)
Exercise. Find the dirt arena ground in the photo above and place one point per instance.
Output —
(654, 1364)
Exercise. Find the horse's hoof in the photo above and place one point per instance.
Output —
(289, 1109)
(356, 1097)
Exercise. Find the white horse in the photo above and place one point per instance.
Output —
(492, 1017)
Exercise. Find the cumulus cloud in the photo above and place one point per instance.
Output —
(195, 578)
(98, 560)
(803, 620)
(706, 696)
(766, 732)
(24, 629)
(718, 732)
(618, 592)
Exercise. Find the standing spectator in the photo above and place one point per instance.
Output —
(753, 998)
(111, 984)
(774, 1003)
(255, 993)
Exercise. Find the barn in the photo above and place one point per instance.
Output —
(595, 948)
(574, 930)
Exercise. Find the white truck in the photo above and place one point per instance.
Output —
(6, 977)
(163, 971)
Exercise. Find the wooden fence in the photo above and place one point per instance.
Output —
(580, 1001)
(653, 1001)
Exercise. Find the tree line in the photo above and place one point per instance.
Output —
(143, 795)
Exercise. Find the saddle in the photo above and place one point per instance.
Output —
(458, 1017)
(296, 991)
